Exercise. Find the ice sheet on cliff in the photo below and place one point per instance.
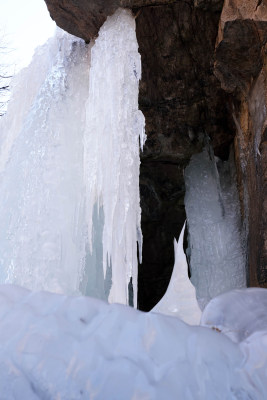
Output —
(58, 347)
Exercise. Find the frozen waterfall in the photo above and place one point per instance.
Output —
(216, 250)
(69, 166)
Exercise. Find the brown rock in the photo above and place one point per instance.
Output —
(83, 18)
(241, 66)
(241, 36)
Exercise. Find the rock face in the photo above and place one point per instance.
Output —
(83, 18)
(203, 73)
(241, 66)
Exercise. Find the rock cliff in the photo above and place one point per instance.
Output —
(203, 73)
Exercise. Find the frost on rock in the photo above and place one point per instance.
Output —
(60, 347)
(238, 313)
(217, 257)
(69, 166)
(180, 297)
(114, 126)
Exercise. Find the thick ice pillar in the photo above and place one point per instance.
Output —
(216, 252)
(114, 127)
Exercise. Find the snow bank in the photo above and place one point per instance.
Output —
(238, 313)
(58, 347)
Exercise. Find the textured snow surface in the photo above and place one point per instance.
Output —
(217, 257)
(69, 166)
(58, 347)
(238, 313)
(180, 297)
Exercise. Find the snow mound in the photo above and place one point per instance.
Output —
(58, 347)
(238, 313)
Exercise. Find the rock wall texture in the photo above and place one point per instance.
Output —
(241, 66)
(204, 73)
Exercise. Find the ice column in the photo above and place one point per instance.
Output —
(42, 195)
(114, 128)
(217, 257)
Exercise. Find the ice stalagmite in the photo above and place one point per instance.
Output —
(217, 257)
(69, 166)
(180, 297)
(114, 126)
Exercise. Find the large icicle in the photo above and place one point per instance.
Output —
(180, 297)
(217, 259)
(114, 126)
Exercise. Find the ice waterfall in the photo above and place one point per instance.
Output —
(216, 248)
(69, 167)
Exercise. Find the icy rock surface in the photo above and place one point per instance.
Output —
(217, 258)
(58, 347)
(69, 166)
(180, 297)
(114, 126)
(238, 313)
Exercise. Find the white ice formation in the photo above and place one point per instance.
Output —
(217, 257)
(180, 297)
(69, 166)
(58, 347)
(113, 128)
(238, 313)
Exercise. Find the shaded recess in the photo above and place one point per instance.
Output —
(182, 101)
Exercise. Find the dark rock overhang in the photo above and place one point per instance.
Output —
(83, 18)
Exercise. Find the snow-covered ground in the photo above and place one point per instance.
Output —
(58, 347)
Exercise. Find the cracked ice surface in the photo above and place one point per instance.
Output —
(58, 347)
(217, 257)
(69, 166)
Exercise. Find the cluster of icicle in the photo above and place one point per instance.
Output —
(69, 155)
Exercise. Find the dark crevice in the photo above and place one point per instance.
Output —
(182, 101)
